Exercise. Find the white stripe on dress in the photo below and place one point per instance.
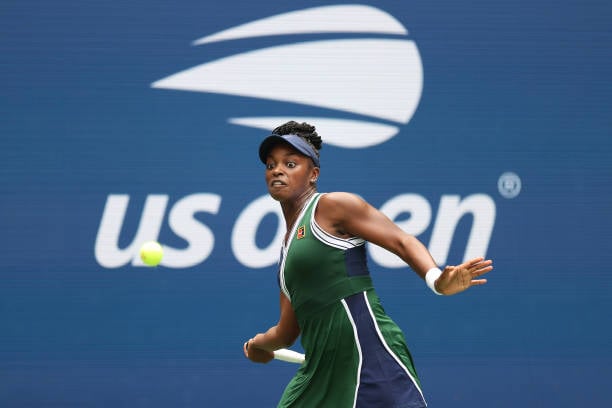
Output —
(395, 357)
(329, 239)
(285, 246)
(356, 337)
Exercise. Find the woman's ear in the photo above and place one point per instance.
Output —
(315, 175)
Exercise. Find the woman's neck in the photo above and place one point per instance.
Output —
(293, 208)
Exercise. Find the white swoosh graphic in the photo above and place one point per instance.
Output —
(345, 133)
(375, 77)
(327, 19)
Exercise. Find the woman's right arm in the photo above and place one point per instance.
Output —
(259, 349)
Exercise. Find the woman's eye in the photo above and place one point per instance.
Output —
(291, 165)
(270, 166)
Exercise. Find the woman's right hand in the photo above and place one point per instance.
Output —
(255, 354)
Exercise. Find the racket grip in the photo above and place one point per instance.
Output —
(289, 356)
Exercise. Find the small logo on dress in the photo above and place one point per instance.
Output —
(301, 231)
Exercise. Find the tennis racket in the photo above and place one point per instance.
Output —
(289, 356)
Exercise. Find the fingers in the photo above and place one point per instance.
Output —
(245, 348)
(476, 282)
(478, 266)
(472, 262)
(481, 271)
(476, 262)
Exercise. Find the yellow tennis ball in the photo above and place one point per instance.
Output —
(151, 253)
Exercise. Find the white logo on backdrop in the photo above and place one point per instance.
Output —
(368, 88)
(509, 185)
(379, 79)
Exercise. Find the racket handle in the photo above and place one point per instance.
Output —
(289, 356)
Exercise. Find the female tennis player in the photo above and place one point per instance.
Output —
(356, 356)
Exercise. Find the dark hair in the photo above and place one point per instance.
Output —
(304, 130)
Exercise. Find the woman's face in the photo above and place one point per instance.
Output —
(289, 174)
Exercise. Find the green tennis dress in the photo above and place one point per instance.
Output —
(356, 356)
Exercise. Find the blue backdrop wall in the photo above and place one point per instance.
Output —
(481, 127)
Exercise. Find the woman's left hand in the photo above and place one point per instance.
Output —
(455, 279)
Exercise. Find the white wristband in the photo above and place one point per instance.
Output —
(430, 278)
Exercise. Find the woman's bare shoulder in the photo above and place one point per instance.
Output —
(340, 200)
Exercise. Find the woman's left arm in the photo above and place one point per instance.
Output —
(351, 215)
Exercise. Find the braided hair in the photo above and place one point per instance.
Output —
(304, 130)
